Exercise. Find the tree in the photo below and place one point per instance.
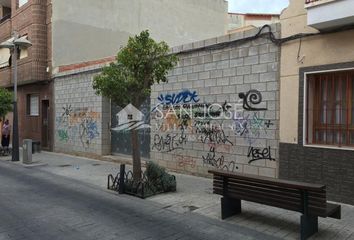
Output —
(6, 100)
(139, 65)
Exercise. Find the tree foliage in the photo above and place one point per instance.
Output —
(6, 99)
(139, 65)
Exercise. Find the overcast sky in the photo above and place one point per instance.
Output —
(257, 6)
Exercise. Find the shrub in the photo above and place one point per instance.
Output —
(159, 178)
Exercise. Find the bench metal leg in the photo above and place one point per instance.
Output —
(309, 226)
(230, 207)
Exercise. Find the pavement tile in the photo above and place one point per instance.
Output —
(191, 192)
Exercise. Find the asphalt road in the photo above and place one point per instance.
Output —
(35, 204)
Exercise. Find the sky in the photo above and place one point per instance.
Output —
(257, 6)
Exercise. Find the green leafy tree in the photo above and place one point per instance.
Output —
(6, 100)
(139, 65)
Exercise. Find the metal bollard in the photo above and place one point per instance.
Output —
(121, 179)
(27, 151)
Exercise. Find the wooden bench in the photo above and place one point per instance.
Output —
(308, 199)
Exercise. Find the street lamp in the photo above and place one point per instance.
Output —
(14, 44)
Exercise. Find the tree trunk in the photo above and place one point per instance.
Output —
(136, 155)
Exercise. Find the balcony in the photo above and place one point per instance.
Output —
(4, 18)
(5, 3)
(5, 28)
(329, 14)
(5, 77)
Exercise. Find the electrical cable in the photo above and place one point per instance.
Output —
(269, 34)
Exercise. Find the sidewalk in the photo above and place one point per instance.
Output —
(194, 194)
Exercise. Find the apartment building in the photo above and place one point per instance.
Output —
(316, 95)
(243, 21)
(65, 32)
(32, 19)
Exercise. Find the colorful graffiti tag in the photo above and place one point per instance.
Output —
(183, 97)
(77, 124)
(186, 122)
(249, 126)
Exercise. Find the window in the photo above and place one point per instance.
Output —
(22, 2)
(23, 52)
(33, 105)
(330, 109)
(4, 57)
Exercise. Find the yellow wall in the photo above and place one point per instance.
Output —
(318, 50)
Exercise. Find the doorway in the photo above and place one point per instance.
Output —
(45, 125)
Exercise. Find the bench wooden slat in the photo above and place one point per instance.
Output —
(312, 202)
(319, 194)
(290, 192)
(254, 196)
(278, 182)
(316, 196)
(296, 199)
(278, 195)
(308, 199)
(262, 185)
(272, 192)
(274, 201)
(251, 197)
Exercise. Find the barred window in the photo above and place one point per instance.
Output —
(330, 109)
(33, 105)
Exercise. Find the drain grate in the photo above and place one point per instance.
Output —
(96, 164)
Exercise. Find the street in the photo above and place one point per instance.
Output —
(35, 204)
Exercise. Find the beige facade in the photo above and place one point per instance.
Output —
(316, 98)
(315, 51)
(91, 29)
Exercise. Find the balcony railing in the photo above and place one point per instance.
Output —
(311, 1)
(4, 18)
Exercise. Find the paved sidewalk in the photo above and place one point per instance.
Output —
(194, 194)
(39, 205)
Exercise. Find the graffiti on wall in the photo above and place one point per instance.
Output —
(67, 110)
(79, 124)
(185, 120)
(174, 122)
(183, 97)
(88, 131)
(185, 161)
(249, 126)
(218, 162)
(250, 99)
(256, 154)
(63, 135)
(212, 134)
(170, 142)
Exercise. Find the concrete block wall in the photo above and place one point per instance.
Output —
(243, 136)
(81, 117)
